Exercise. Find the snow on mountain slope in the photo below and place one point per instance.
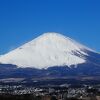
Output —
(49, 49)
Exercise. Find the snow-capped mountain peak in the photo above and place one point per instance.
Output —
(47, 50)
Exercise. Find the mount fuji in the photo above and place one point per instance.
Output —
(50, 55)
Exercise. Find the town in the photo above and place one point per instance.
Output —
(50, 92)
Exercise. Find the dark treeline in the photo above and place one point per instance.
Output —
(30, 97)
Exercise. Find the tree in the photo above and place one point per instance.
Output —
(53, 98)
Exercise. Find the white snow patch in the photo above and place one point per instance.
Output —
(49, 49)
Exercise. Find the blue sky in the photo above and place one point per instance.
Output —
(23, 20)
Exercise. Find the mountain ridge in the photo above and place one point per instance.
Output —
(49, 49)
(50, 55)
